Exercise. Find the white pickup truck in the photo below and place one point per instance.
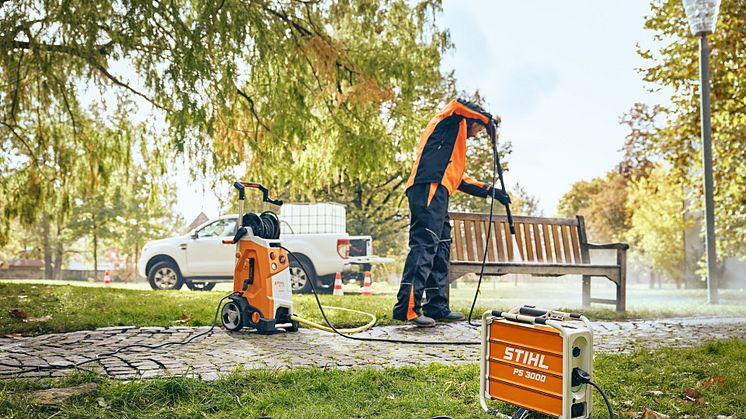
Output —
(199, 259)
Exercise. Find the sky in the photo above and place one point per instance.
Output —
(559, 74)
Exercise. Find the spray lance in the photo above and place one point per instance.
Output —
(492, 132)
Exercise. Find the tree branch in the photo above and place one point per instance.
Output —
(252, 107)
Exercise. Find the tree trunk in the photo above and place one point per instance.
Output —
(48, 270)
(59, 251)
(95, 255)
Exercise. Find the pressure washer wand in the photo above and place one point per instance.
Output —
(493, 138)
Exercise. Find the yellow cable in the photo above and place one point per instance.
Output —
(345, 331)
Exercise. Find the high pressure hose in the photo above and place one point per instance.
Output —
(340, 332)
(100, 356)
(497, 172)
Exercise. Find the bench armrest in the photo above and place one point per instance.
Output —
(608, 246)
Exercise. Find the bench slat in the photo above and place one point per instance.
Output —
(539, 243)
(497, 226)
(480, 239)
(519, 240)
(575, 244)
(566, 244)
(508, 240)
(458, 242)
(556, 241)
(491, 241)
(469, 240)
(547, 243)
(527, 239)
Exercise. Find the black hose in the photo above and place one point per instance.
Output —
(35, 368)
(495, 162)
(608, 404)
(364, 339)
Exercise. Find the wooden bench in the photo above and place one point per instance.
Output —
(545, 247)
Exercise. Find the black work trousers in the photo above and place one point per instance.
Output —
(426, 267)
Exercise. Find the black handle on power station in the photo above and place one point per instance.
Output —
(241, 186)
(533, 311)
(492, 131)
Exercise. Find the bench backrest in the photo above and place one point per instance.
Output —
(537, 239)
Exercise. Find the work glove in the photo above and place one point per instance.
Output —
(500, 195)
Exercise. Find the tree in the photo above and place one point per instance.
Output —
(674, 65)
(658, 222)
(285, 88)
(602, 202)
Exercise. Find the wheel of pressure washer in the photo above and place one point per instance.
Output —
(231, 316)
(200, 286)
(301, 277)
(165, 275)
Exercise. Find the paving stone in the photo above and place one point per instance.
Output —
(217, 354)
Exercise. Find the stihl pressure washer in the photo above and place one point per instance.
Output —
(262, 296)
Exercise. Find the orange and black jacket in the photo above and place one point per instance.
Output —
(441, 155)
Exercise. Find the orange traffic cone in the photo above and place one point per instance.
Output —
(107, 279)
(367, 292)
(338, 285)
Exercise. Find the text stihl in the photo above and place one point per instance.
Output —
(524, 357)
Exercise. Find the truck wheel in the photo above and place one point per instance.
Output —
(300, 279)
(200, 286)
(165, 275)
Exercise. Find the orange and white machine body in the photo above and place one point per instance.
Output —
(527, 359)
(261, 275)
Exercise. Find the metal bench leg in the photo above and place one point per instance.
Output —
(586, 291)
(621, 286)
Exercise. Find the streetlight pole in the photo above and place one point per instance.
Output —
(704, 100)
(702, 15)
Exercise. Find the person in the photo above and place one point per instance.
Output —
(438, 172)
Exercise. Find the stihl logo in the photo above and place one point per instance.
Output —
(524, 357)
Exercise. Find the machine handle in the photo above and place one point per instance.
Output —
(538, 312)
(240, 233)
(519, 317)
(241, 186)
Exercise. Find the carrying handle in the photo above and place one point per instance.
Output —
(539, 312)
(241, 186)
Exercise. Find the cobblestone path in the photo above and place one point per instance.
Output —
(219, 353)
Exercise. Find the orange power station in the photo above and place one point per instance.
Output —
(530, 358)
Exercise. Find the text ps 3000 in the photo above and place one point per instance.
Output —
(528, 356)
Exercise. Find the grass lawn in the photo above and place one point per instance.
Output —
(60, 308)
(658, 380)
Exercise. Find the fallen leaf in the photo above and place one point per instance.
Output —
(693, 396)
(183, 319)
(648, 413)
(633, 415)
(18, 314)
(718, 379)
(691, 393)
(38, 319)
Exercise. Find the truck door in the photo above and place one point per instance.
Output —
(207, 256)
